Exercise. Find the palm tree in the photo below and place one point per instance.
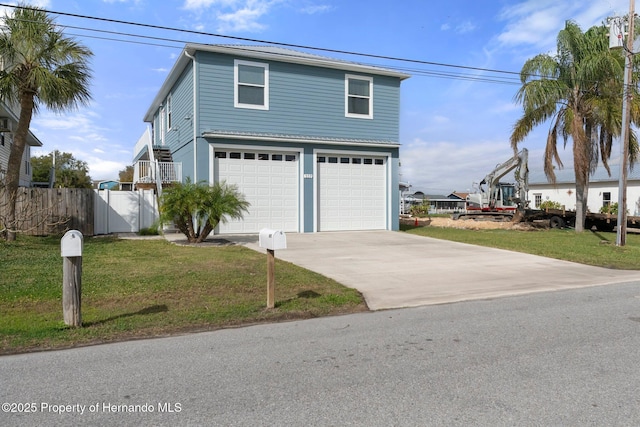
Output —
(196, 209)
(580, 91)
(39, 66)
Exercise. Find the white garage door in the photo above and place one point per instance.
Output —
(269, 181)
(352, 193)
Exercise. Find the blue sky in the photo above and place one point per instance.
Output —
(452, 131)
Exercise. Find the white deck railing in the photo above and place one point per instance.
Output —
(145, 171)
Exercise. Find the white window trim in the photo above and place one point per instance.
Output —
(236, 83)
(346, 96)
(169, 118)
(162, 125)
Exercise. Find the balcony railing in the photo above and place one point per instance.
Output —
(145, 171)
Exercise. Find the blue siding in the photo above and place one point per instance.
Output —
(182, 106)
(304, 100)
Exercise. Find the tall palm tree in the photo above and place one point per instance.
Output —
(580, 91)
(39, 66)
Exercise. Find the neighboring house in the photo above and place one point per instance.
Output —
(454, 202)
(8, 122)
(312, 142)
(603, 189)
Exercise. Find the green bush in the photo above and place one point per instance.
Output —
(612, 209)
(550, 204)
(149, 231)
(420, 210)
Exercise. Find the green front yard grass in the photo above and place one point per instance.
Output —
(143, 288)
(146, 288)
(590, 247)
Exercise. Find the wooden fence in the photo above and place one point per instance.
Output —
(45, 211)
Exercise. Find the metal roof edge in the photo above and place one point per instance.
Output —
(298, 139)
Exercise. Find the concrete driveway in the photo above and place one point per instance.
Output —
(394, 269)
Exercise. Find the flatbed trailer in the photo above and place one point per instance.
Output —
(558, 218)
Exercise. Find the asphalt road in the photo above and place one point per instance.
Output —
(565, 358)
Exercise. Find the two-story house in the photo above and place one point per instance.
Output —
(312, 142)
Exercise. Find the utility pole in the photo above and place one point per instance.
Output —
(621, 236)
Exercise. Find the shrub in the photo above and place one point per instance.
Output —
(196, 209)
(420, 210)
(550, 204)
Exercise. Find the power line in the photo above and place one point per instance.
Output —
(251, 40)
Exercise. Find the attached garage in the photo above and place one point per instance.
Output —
(352, 192)
(269, 180)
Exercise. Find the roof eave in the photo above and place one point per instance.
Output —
(316, 62)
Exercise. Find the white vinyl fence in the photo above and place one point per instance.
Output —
(124, 211)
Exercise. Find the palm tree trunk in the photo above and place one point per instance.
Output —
(581, 206)
(15, 160)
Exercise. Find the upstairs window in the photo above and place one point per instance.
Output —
(251, 85)
(358, 96)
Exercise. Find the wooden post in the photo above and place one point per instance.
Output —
(71, 248)
(271, 278)
(72, 290)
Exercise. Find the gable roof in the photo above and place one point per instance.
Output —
(264, 52)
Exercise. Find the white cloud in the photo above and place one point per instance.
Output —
(444, 166)
(315, 9)
(465, 27)
(245, 19)
(460, 28)
(231, 15)
(537, 22)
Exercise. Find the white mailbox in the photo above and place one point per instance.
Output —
(272, 239)
(71, 244)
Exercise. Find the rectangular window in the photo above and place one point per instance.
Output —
(606, 199)
(290, 158)
(368, 161)
(263, 156)
(344, 160)
(379, 162)
(537, 200)
(322, 159)
(2, 139)
(249, 156)
(251, 85)
(358, 96)
(276, 157)
(235, 155)
(221, 155)
(333, 160)
(356, 160)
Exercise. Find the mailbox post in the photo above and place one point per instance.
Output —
(71, 250)
(271, 240)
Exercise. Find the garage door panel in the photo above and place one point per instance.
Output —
(270, 186)
(351, 195)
